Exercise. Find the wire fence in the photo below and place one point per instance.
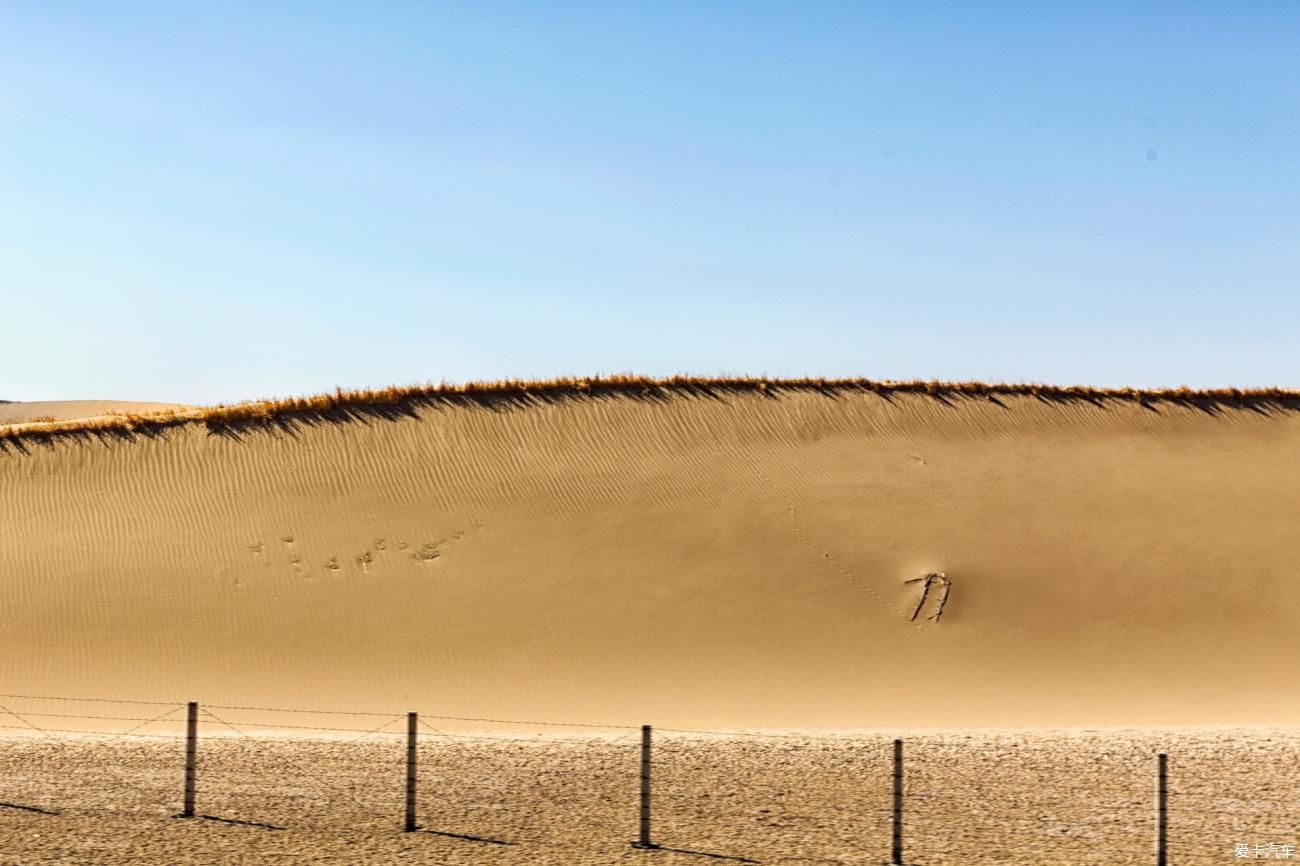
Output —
(739, 796)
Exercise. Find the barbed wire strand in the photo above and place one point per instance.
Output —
(93, 700)
(805, 738)
(286, 726)
(525, 722)
(294, 710)
(106, 718)
(348, 742)
(485, 720)
(88, 731)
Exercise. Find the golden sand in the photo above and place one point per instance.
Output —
(717, 559)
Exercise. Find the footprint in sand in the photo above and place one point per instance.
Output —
(426, 553)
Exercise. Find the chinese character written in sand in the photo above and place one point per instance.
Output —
(931, 579)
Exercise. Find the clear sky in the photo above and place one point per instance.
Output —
(204, 202)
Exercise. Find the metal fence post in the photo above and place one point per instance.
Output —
(896, 844)
(1162, 809)
(191, 753)
(643, 838)
(412, 721)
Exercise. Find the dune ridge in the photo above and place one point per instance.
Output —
(146, 418)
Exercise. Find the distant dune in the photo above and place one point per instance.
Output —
(74, 410)
(679, 553)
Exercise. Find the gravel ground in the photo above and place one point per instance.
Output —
(971, 798)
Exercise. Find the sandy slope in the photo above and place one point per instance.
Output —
(74, 410)
(736, 560)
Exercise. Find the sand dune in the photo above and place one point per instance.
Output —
(689, 558)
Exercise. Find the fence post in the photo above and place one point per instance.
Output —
(412, 721)
(643, 838)
(896, 845)
(1162, 809)
(191, 752)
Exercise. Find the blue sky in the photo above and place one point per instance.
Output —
(205, 202)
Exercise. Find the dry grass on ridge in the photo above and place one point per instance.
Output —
(401, 399)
